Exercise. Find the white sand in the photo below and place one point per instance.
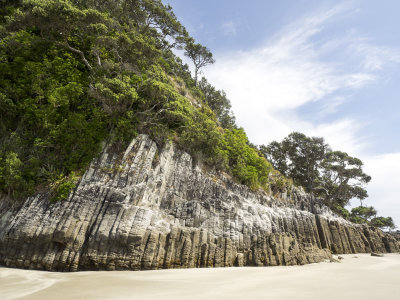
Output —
(364, 277)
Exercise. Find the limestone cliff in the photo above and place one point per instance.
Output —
(154, 208)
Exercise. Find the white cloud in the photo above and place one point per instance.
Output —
(376, 57)
(341, 135)
(269, 84)
(384, 188)
(331, 106)
(229, 28)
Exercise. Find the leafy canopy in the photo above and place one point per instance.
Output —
(368, 215)
(334, 176)
(76, 73)
(309, 161)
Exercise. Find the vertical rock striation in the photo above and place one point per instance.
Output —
(154, 208)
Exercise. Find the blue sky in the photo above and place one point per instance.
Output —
(325, 68)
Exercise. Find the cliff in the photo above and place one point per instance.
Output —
(155, 208)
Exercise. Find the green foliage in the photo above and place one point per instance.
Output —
(45, 109)
(61, 186)
(332, 175)
(279, 183)
(383, 223)
(204, 139)
(219, 103)
(368, 215)
(116, 95)
(197, 131)
(363, 214)
(343, 178)
(75, 73)
(343, 212)
(11, 173)
(199, 55)
(246, 164)
(297, 157)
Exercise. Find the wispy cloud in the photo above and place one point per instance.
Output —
(229, 28)
(268, 85)
(272, 82)
(376, 57)
(330, 107)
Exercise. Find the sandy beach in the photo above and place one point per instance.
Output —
(356, 277)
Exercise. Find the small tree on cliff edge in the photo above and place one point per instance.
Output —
(309, 161)
(368, 215)
(200, 56)
(362, 214)
(298, 157)
(383, 223)
(342, 178)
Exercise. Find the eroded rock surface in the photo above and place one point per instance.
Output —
(154, 208)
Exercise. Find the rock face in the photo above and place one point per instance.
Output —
(154, 208)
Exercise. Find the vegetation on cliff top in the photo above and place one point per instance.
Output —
(75, 73)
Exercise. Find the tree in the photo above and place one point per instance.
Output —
(298, 157)
(219, 103)
(64, 23)
(362, 214)
(10, 172)
(332, 175)
(247, 165)
(199, 55)
(367, 215)
(382, 223)
(343, 178)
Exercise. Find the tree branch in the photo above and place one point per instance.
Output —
(98, 59)
(82, 55)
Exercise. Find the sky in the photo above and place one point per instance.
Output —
(324, 68)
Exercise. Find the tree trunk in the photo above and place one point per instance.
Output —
(196, 71)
